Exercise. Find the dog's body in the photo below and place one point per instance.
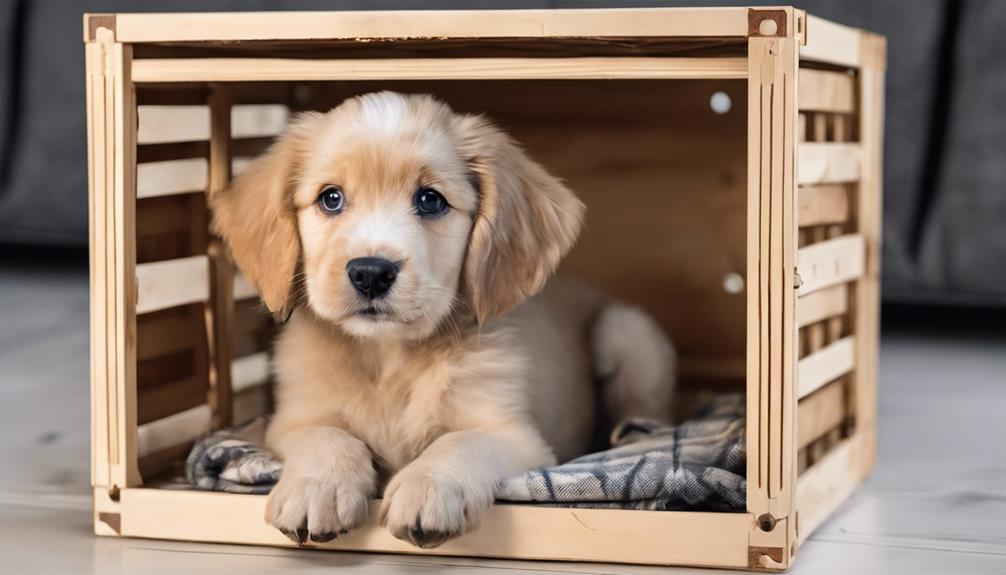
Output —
(410, 360)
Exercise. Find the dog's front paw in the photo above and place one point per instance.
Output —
(316, 509)
(427, 509)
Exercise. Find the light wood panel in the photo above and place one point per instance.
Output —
(823, 204)
(820, 413)
(830, 262)
(828, 364)
(586, 68)
(171, 177)
(827, 483)
(827, 91)
(831, 43)
(828, 163)
(822, 304)
(441, 24)
(175, 429)
(172, 283)
(512, 531)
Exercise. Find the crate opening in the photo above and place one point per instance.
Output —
(661, 165)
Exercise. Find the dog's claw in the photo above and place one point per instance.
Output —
(298, 536)
(427, 539)
(324, 537)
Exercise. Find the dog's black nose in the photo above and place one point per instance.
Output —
(372, 277)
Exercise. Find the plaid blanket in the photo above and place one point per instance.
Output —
(698, 465)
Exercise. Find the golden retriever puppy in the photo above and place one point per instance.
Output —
(400, 239)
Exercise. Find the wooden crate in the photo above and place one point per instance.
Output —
(759, 225)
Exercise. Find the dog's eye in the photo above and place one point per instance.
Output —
(330, 200)
(430, 203)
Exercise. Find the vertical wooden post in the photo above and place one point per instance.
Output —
(220, 308)
(112, 179)
(772, 336)
(869, 206)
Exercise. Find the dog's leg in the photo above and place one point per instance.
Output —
(447, 489)
(327, 482)
(635, 361)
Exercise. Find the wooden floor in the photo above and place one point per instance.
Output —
(936, 503)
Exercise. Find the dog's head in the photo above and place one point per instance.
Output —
(389, 211)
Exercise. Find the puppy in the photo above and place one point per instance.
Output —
(403, 242)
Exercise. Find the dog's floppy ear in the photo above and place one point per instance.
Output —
(256, 218)
(526, 221)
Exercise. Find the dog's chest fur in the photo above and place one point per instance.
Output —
(396, 399)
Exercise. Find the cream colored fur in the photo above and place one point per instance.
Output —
(462, 380)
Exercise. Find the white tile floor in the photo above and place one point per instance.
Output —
(935, 504)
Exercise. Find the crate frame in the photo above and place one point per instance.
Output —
(788, 186)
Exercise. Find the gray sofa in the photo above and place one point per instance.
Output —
(945, 203)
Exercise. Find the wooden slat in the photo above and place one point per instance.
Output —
(830, 262)
(276, 69)
(171, 458)
(220, 311)
(825, 91)
(831, 43)
(243, 288)
(822, 304)
(190, 124)
(163, 124)
(258, 120)
(250, 371)
(610, 535)
(171, 177)
(827, 483)
(826, 365)
(823, 204)
(171, 283)
(820, 412)
(828, 163)
(446, 24)
(178, 428)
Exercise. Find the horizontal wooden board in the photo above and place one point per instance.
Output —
(243, 289)
(827, 483)
(830, 262)
(170, 431)
(826, 365)
(822, 304)
(171, 177)
(820, 412)
(828, 163)
(831, 43)
(826, 91)
(249, 371)
(161, 124)
(440, 24)
(822, 204)
(507, 531)
(172, 283)
(258, 121)
(586, 68)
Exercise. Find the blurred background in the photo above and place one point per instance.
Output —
(934, 503)
(945, 193)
